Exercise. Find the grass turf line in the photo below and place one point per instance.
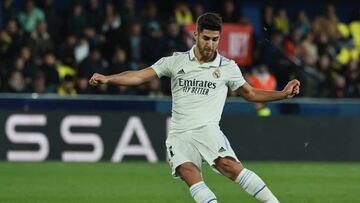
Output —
(139, 182)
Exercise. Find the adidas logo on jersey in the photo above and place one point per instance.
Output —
(222, 149)
(181, 72)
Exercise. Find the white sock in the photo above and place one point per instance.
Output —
(256, 187)
(202, 194)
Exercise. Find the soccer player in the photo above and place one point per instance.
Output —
(200, 79)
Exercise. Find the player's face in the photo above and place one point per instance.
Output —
(207, 42)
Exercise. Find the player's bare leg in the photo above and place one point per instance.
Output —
(245, 178)
(229, 167)
(190, 173)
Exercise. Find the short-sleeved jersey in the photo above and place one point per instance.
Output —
(198, 90)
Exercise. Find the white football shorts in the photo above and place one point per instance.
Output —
(203, 144)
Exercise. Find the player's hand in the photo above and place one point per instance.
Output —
(97, 79)
(292, 88)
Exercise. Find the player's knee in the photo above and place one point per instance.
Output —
(190, 173)
(187, 168)
(229, 166)
(223, 163)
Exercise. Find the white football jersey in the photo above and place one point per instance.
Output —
(198, 90)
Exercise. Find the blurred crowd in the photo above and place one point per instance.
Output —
(47, 49)
(322, 52)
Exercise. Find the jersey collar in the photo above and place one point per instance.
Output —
(215, 63)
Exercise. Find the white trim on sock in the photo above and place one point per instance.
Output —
(255, 186)
(202, 194)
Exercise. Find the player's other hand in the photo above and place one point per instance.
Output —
(292, 88)
(97, 79)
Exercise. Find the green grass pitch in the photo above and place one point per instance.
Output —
(139, 182)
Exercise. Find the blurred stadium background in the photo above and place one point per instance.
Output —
(307, 148)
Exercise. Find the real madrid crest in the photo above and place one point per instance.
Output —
(216, 73)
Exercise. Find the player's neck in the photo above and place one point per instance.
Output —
(202, 59)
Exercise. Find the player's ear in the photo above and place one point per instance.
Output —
(195, 35)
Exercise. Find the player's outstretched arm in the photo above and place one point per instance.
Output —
(127, 78)
(258, 95)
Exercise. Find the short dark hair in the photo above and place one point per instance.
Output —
(209, 21)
